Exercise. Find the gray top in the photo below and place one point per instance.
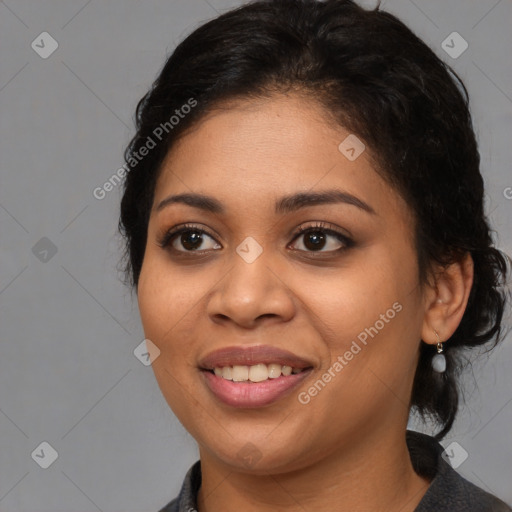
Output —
(448, 491)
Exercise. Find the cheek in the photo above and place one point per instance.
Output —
(353, 297)
(167, 301)
(367, 314)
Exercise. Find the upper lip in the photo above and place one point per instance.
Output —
(249, 356)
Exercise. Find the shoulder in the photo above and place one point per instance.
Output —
(186, 500)
(172, 506)
(448, 490)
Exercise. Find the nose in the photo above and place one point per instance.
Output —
(251, 294)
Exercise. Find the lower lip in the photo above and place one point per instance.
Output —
(252, 394)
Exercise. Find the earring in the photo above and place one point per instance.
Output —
(439, 361)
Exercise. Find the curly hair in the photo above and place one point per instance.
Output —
(376, 78)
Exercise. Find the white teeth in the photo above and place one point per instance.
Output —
(274, 371)
(227, 373)
(256, 373)
(286, 370)
(240, 373)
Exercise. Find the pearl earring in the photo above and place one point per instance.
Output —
(439, 361)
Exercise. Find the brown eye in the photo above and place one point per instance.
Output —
(314, 240)
(317, 238)
(188, 239)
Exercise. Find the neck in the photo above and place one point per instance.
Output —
(374, 474)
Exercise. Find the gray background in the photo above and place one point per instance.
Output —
(68, 374)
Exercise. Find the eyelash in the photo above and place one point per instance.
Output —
(322, 227)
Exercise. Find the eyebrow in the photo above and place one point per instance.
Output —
(284, 205)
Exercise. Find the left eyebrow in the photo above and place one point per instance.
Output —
(303, 199)
(284, 205)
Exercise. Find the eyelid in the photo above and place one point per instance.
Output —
(327, 227)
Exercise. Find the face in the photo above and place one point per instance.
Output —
(257, 276)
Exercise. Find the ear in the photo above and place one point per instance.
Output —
(446, 300)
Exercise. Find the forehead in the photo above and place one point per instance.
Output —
(253, 150)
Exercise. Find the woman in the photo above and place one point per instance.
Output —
(306, 235)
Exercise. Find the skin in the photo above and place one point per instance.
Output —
(345, 449)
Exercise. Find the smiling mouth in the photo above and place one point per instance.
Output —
(253, 376)
(255, 373)
(257, 385)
